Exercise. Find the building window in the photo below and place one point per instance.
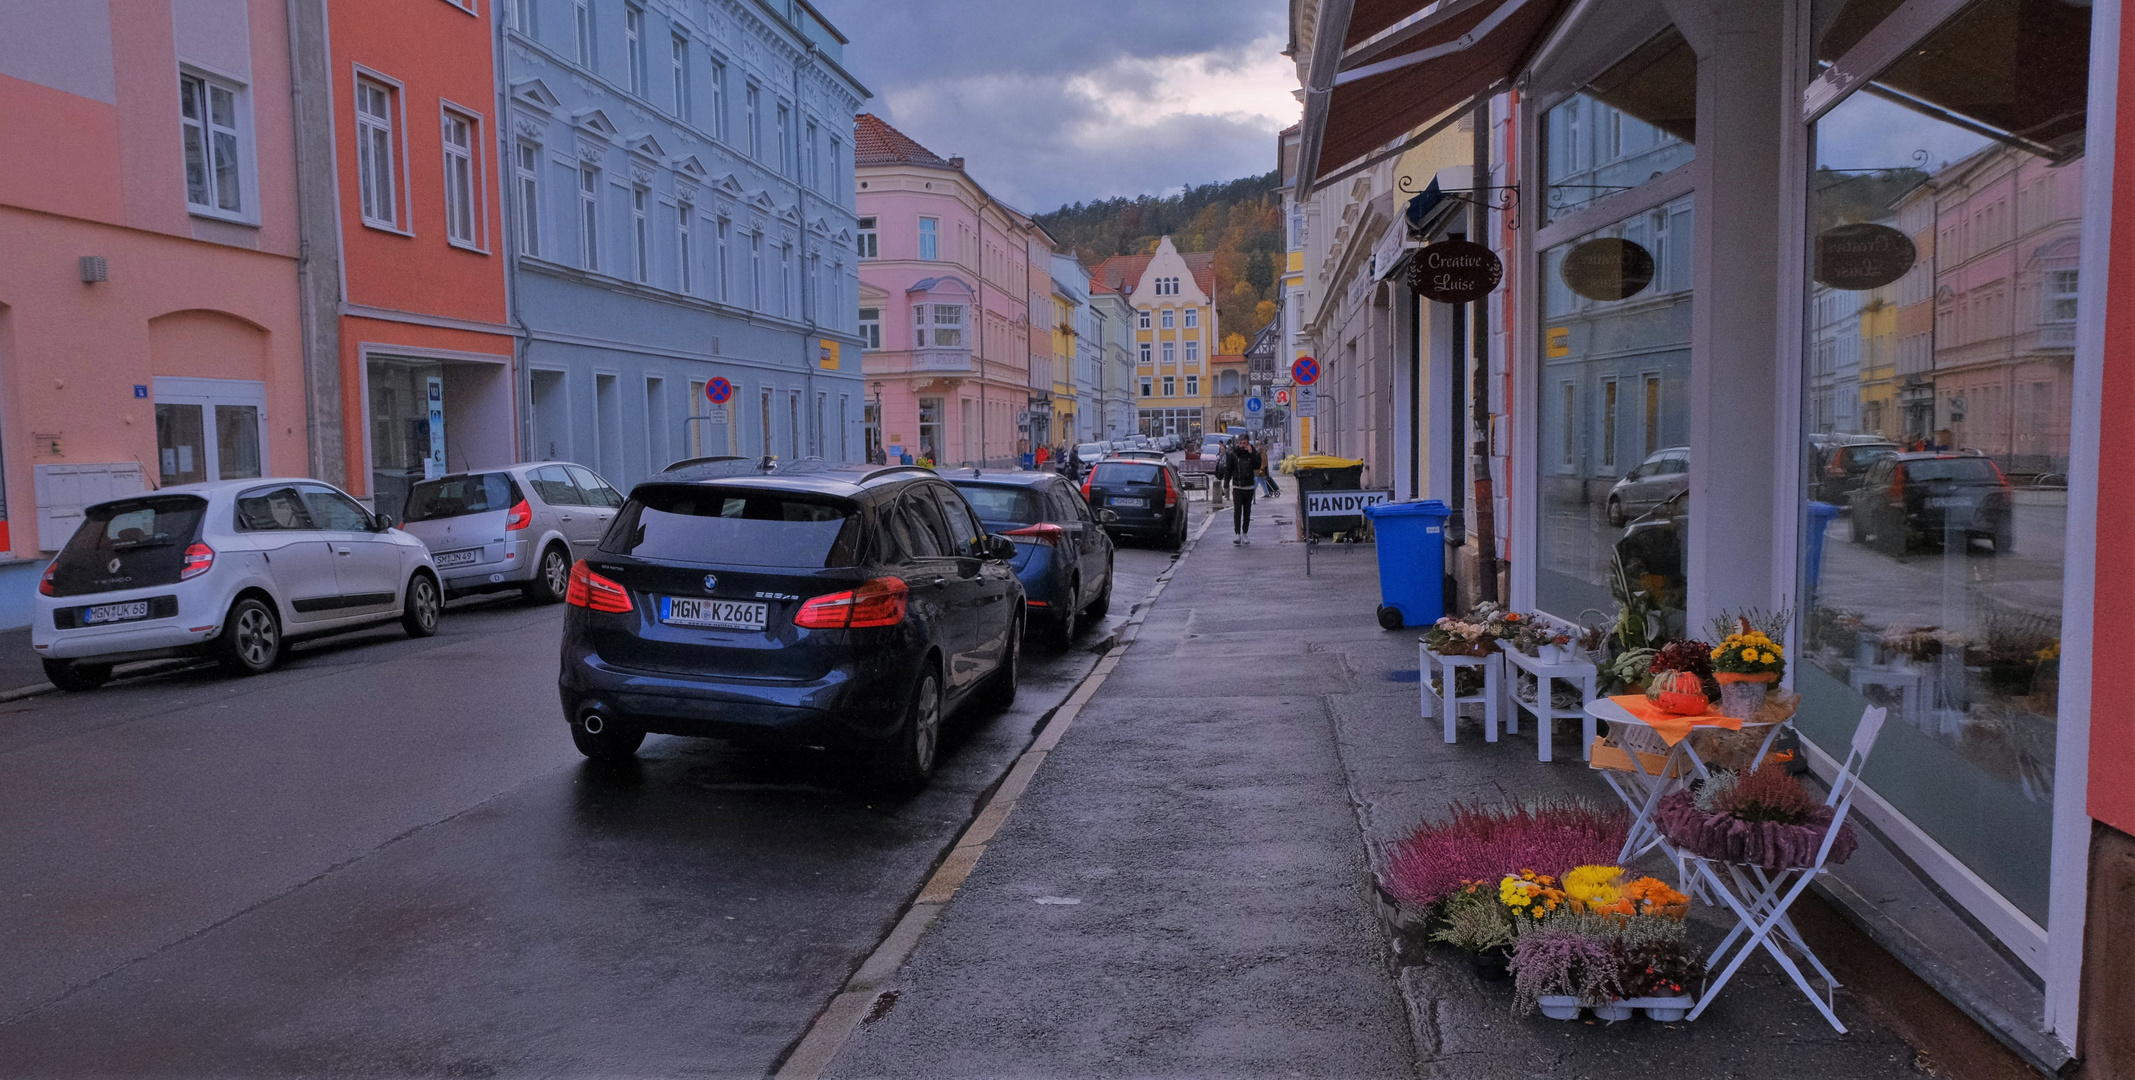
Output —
(582, 31)
(785, 280)
(752, 107)
(523, 16)
(929, 238)
(1171, 386)
(1145, 352)
(1145, 386)
(1170, 318)
(718, 99)
(937, 326)
(724, 272)
(214, 165)
(785, 140)
(634, 46)
(1142, 320)
(678, 54)
(813, 159)
(1193, 386)
(1193, 317)
(837, 159)
(460, 209)
(1193, 352)
(685, 217)
(756, 271)
(374, 153)
(1608, 424)
(1171, 353)
(640, 266)
(589, 217)
(870, 328)
(2060, 296)
(868, 243)
(529, 176)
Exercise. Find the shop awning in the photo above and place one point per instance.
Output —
(1383, 67)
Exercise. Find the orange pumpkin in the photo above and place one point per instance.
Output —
(1679, 692)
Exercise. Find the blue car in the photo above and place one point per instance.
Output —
(1063, 555)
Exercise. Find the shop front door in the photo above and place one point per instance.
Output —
(209, 429)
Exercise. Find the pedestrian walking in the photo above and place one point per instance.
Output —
(1241, 468)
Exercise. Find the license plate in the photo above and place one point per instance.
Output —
(1949, 502)
(722, 614)
(451, 559)
(1121, 500)
(111, 613)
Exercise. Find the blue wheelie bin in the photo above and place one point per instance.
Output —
(1412, 561)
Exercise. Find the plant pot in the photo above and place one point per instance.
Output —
(1558, 1006)
(1667, 1010)
(1613, 1011)
(1492, 966)
(1741, 700)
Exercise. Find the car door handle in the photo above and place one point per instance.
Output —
(345, 552)
(941, 581)
(564, 518)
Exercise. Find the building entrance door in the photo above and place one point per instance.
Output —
(209, 429)
(407, 427)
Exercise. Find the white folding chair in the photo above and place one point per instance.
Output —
(1760, 898)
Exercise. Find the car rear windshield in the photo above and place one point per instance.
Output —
(1001, 503)
(129, 545)
(1121, 472)
(458, 496)
(729, 527)
(1971, 470)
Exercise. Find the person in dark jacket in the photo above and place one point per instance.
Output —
(1241, 468)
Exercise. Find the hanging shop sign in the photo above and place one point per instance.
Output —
(1455, 272)
(1862, 256)
(1610, 268)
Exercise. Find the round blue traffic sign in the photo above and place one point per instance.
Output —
(718, 390)
(1306, 371)
(1253, 405)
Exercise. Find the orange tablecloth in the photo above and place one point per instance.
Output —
(1670, 727)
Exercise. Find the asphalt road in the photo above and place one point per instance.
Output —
(386, 859)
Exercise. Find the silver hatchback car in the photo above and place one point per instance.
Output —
(519, 527)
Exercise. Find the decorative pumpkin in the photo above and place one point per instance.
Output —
(1679, 692)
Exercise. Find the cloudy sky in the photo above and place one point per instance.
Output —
(1055, 101)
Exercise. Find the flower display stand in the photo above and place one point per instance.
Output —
(1667, 1010)
(1547, 671)
(1445, 702)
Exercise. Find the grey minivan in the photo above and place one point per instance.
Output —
(519, 527)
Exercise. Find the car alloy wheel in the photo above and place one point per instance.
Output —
(907, 759)
(555, 576)
(252, 640)
(1616, 514)
(1069, 622)
(419, 618)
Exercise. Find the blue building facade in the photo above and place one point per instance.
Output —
(679, 180)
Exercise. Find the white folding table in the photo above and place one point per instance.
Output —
(1643, 768)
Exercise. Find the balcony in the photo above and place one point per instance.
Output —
(940, 359)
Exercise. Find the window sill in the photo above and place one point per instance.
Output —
(462, 245)
(386, 228)
(206, 214)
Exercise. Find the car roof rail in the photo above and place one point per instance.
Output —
(895, 469)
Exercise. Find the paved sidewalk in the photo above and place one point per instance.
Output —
(1183, 890)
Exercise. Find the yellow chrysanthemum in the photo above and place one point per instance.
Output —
(1594, 884)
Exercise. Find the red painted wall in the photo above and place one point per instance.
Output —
(2112, 750)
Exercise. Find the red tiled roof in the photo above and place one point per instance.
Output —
(1123, 273)
(877, 143)
(1227, 358)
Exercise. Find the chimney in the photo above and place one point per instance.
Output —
(957, 162)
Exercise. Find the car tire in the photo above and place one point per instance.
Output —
(1177, 539)
(904, 763)
(608, 739)
(418, 616)
(1069, 622)
(74, 676)
(1001, 686)
(552, 576)
(251, 641)
(1616, 514)
(1103, 604)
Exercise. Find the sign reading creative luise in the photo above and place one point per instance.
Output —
(1609, 268)
(1862, 256)
(1455, 272)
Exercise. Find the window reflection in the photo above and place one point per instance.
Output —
(1945, 209)
(1633, 123)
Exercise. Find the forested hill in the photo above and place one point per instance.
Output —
(1240, 220)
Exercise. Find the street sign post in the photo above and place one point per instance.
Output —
(1282, 397)
(1305, 371)
(1254, 406)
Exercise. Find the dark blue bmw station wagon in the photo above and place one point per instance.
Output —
(821, 604)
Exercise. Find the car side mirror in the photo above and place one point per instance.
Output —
(1107, 517)
(383, 523)
(997, 547)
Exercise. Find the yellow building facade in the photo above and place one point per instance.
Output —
(1174, 335)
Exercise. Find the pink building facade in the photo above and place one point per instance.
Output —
(946, 278)
(148, 297)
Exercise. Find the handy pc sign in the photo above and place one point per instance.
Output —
(1343, 503)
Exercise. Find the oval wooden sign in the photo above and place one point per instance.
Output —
(1863, 256)
(1610, 268)
(1455, 272)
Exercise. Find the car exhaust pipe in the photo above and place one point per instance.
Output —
(594, 723)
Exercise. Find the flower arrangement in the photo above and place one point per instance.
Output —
(1748, 656)
(1594, 887)
(1682, 655)
(1571, 960)
(1475, 920)
(1461, 637)
(1530, 894)
(1763, 817)
(1477, 844)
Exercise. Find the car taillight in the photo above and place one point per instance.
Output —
(45, 586)
(1086, 483)
(594, 592)
(198, 560)
(1171, 491)
(1045, 532)
(1897, 485)
(519, 516)
(880, 602)
(1836, 467)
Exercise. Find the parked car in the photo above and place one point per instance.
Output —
(1657, 479)
(1141, 455)
(1090, 452)
(1837, 463)
(1214, 444)
(515, 528)
(1169, 443)
(235, 569)
(814, 603)
(1931, 496)
(1063, 555)
(1652, 545)
(1144, 496)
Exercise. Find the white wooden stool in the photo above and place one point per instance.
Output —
(1447, 700)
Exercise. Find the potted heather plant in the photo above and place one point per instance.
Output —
(1764, 818)
(1483, 844)
(1474, 921)
(1566, 962)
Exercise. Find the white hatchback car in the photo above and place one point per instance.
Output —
(234, 569)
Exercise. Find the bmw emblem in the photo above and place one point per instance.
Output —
(114, 567)
(711, 581)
